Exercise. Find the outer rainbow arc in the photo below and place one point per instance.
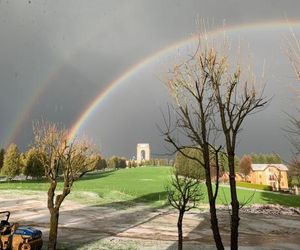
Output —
(113, 85)
(21, 119)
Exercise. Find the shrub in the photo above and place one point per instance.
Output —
(121, 163)
(100, 163)
(132, 164)
(116, 162)
(157, 162)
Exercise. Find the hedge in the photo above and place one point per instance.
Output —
(253, 186)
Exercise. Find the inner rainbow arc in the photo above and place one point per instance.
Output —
(276, 24)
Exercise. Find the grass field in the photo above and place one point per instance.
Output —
(144, 184)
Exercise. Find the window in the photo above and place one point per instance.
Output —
(260, 176)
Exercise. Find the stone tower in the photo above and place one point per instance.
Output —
(142, 152)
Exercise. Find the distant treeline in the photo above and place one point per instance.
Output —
(13, 163)
(191, 168)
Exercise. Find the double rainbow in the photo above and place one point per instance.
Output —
(135, 69)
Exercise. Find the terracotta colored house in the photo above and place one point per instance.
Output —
(274, 175)
(225, 177)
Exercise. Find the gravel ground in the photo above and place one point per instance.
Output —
(142, 227)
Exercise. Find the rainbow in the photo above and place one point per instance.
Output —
(134, 69)
(23, 117)
(92, 107)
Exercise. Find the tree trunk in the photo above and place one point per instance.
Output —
(235, 206)
(179, 227)
(54, 214)
(215, 226)
(213, 213)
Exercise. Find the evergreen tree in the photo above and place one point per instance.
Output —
(11, 163)
(265, 158)
(32, 166)
(187, 167)
(262, 159)
(268, 158)
(277, 158)
(254, 158)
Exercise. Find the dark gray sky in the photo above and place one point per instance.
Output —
(56, 56)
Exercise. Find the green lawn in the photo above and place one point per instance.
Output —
(144, 184)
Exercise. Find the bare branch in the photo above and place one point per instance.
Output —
(212, 100)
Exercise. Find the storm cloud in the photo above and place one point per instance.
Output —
(57, 56)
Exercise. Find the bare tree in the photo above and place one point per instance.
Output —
(293, 134)
(293, 52)
(294, 172)
(211, 104)
(60, 156)
(278, 177)
(184, 193)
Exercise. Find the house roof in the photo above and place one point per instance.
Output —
(262, 167)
